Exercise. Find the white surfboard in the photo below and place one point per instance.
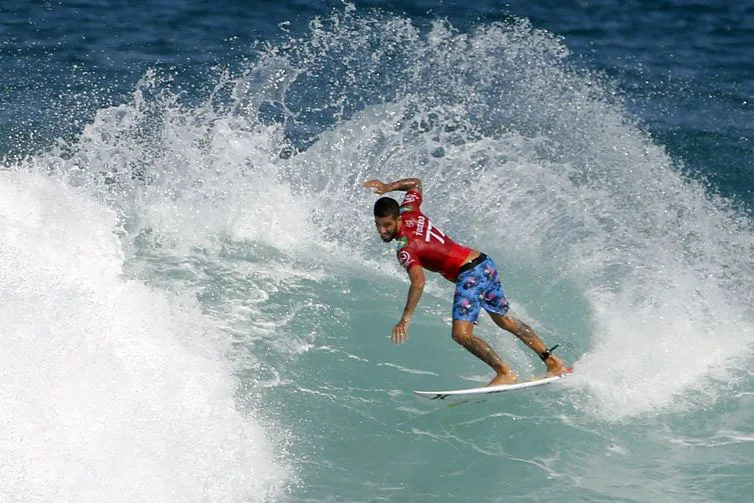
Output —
(486, 391)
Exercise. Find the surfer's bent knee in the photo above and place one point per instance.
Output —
(461, 334)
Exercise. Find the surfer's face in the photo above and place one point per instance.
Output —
(387, 227)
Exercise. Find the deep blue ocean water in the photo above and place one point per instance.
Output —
(196, 306)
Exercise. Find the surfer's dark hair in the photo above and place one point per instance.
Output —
(386, 207)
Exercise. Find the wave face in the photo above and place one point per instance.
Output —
(198, 307)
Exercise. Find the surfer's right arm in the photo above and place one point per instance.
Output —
(404, 185)
(400, 331)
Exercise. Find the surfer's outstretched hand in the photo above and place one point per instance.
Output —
(400, 332)
(377, 186)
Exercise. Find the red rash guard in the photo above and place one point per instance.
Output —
(422, 244)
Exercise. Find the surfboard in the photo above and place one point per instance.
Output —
(488, 391)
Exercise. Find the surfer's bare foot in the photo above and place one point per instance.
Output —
(556, 366)
(507, 378)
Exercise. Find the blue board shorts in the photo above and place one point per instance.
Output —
(478, 286)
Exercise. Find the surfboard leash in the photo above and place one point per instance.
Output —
(544, 355)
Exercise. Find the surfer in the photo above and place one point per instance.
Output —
(420, 245)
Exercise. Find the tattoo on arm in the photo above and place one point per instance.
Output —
(406, 184)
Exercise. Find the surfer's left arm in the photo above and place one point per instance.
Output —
(400, 331)
(404, 185)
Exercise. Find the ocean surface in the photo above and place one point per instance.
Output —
(196, 306)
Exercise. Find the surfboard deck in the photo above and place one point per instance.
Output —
(487, 391)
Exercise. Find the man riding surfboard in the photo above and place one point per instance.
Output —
(421, 245)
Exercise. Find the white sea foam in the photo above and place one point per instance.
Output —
(111, 390)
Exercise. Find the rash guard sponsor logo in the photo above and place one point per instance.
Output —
(404, 258)
(420, 226)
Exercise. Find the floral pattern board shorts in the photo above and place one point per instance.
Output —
(477, 288)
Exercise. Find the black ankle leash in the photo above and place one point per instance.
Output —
(548, 352)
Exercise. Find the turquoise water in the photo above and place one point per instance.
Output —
(196, 306)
